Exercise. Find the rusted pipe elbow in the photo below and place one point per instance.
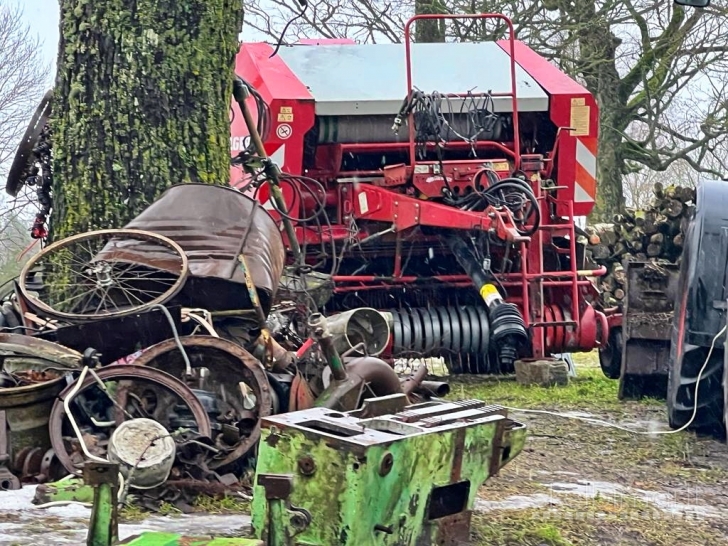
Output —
(274, 354)
(281, 358)
(380, 376)
(434, 388)
(415, 380)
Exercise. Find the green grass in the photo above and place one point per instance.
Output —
(591, 522)
(223, 505)
(168, 509)
(593, 393)
(132, 512)
(668, 463)
(590, 390)
(516, 531)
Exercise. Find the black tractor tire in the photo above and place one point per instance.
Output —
(610, 357)
(699, 318)
(682, 378)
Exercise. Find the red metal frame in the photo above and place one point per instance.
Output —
(555, 304)
(512, 94)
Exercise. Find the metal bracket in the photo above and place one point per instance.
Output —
(277, 486)
(104, 525)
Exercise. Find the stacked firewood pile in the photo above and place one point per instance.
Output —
(654, 234)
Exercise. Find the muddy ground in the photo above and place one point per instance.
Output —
(575, 483)
(582, 484)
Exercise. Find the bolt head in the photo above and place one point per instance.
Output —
(306, 465)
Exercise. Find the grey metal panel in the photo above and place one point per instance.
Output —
(371, 79)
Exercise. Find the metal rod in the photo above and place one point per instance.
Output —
(574, 271)
(548, 276)
(378, 147)
(525, 261)
(317, 323)
(241, 93)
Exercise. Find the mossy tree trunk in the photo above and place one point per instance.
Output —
(141, 103)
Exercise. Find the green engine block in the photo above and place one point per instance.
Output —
(386, 474)
(383, 475)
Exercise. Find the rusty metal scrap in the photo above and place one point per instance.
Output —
(124, 375)
(32, 376)
(230, 367)
(215, 225)
(7, 479)
(216, 357)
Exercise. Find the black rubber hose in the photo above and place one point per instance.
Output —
(467, 261)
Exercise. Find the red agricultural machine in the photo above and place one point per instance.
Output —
(411, 172)
(401, 175)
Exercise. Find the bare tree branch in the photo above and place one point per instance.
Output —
(23, 75)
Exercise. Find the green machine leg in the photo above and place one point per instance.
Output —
(387, 474)
(104, 529)
(104, 526)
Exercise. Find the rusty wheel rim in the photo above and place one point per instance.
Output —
(120, 373)
(166, 355)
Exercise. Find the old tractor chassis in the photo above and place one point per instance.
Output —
(416, 468)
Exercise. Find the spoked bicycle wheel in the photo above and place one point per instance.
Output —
(105, 273)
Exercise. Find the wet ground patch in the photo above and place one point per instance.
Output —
(583, 484)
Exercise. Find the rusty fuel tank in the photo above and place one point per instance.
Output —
(215, 225)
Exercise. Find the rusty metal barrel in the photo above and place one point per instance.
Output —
(216, 226)
(39, 364)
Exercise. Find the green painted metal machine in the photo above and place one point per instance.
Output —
(386, 474)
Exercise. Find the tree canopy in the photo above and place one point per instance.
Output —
(658, 71)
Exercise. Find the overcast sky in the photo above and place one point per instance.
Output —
(42, 17)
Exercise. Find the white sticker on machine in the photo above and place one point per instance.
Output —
(363, 203)
(284, 131)
(285, 114)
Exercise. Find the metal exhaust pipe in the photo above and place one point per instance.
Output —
(365, 326)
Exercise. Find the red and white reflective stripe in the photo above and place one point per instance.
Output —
(585, 185)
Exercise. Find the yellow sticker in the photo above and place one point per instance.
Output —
(285, 117)
(501, 166)
(580, 120)
(286, 110)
